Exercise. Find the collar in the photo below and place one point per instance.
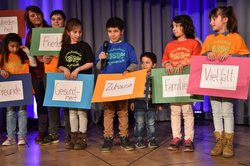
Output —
(225, 33)
(116, 42)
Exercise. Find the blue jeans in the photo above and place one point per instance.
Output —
(12, 118)
(144, 117)
(223, 115)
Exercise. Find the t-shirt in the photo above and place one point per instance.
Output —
(52, 66)
(177, 51)
(15, 66)
(120, 56)
(231, 43)
(73, 56)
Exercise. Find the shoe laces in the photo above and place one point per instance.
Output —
(188, 142)
(175, 140)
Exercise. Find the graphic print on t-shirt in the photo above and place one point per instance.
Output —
(73, 59)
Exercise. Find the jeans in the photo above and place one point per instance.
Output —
(188, 116)
(11, 121)
(78, 117)
(144, 117)
(223, 116)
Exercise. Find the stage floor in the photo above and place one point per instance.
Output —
(54, 155)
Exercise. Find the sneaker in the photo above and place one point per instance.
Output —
(153, 144)
(126, 144)
(21, 141)
(9, 141)
(189, 146)
(175, 144)
(40, 137)
(108, 144)
(50, 139)
(140, 144)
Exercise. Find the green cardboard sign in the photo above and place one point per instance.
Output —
(46, 41)
(158, 94)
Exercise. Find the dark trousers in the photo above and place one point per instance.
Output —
(42, 111)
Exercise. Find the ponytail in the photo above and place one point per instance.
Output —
(223, 11)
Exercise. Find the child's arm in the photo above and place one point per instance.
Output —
(132, 67)
(132, 106)
(80, 68)
(65, 71)
(32, 59)
(47, 59)
(102, 55)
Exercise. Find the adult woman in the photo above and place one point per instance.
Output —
(34, 19)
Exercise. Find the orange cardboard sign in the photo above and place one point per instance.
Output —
(12, 21)
(114, 87)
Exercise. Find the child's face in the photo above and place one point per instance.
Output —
(57, 21)
(177, 30)
(218, 24)
(146, 63)
(13, 47)
(114, 34)
(75, 34)
(35, 18)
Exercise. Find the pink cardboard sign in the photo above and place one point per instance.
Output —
(229, 78)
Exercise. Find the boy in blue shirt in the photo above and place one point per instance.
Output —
(116, 57)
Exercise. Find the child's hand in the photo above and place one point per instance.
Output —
(132, 106)
(211, 56)
(125, 72)
(74, 74)
(25, 49)
(102, 55)
(4, 73)
(223, 57)
(169, 68)
(160, 108)
(179, 68)
(66, 73)
(47, 59)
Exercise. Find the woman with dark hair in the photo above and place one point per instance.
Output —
(34, 19)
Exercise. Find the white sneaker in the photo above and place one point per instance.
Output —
(9, 141)
(21, 141)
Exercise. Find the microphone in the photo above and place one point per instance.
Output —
(105, 49)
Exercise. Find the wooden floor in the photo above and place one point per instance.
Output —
(55, 155)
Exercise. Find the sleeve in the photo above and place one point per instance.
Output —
(60, 59)
(132, 56)
(241, 47)
(28, 39)
(90, 56)
(165, 56)
(197, 48)
(205, 47)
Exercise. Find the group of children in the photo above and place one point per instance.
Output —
(76, 57)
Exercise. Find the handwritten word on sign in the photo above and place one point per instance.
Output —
(50, 42)
(175, 85)
(219, 76)
(11, 91)
(8, 25)
(65, 90)
(118, 87)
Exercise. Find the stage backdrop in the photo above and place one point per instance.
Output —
(147, 21)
